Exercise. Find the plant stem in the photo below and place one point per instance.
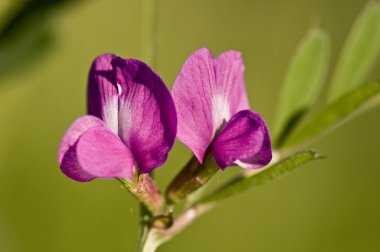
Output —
(146, 191)
(157, 236)
(144, 228)
(193, 176)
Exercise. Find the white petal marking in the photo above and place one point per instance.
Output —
(119, 89)
(220, 110)
(125, 118)
(110, 115)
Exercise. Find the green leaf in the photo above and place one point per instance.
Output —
(337, 112)
(359, 53)
(303, 81)
(242, 184)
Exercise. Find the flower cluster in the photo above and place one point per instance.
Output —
(133, 118)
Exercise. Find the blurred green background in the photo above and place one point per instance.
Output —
(329, 205)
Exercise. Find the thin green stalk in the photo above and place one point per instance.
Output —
(144, 228)
(158, 236)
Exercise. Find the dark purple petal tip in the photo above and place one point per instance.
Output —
(244, 141)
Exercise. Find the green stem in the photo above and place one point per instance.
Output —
(192, 177)
(146, 191)
(144, 228)
(158, 236)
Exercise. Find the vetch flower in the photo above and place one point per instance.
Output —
(214, 120)
(213, 112)
(131, 124)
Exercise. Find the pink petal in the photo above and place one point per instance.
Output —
(229, 71)
(79, 126)
(244, 141)
(102, 154)
(207, 92)
(192, 95)
(102, 92)
(67, 149)
(147, 116)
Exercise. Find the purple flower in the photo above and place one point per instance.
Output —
(213, 112)
(131, 124)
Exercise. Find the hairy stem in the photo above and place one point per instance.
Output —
(192, 177)
(146, 191)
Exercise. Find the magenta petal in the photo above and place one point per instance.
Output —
(147, 116)
(67, 158)
(192, 95)
(103, 155)
(102, 93)
(244, 141)
(207, 92)
(229, 71)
